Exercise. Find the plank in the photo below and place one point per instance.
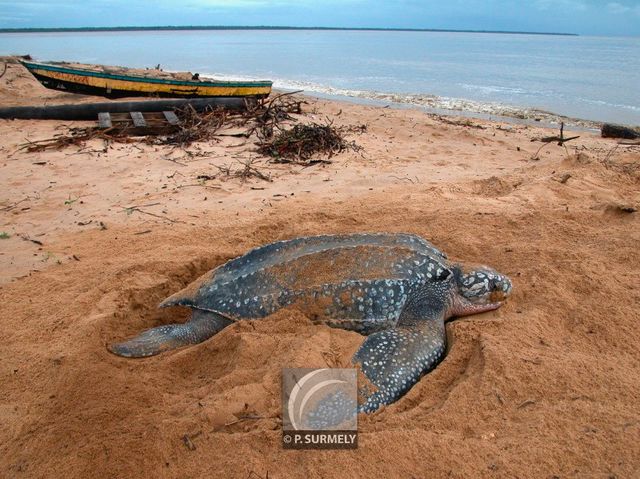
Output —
(171, 117)
(138, 119)
(104, 119)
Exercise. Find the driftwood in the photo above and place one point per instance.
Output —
(610, 130)
(550, 139)
(560, 139)
(267, 121)
(89, 111)
(194, 123)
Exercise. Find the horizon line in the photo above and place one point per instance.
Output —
(264, 27)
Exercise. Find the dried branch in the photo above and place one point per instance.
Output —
(267, 120)
(248, 170)
(302, 142)
(560, 139)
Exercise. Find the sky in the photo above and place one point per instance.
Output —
(586, 17)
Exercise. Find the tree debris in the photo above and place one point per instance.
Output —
(261, 119)
(560, 139)
(27, 238)
(269, 122)
(460, 122)
(248, 170)
(302, 142)
(550, 139)
(14, 205)
(194, 126)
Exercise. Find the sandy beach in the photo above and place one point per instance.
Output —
(95, 237)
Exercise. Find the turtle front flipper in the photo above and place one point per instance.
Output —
(201, 326)
(392, 361)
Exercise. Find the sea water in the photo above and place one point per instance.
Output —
(594, 78)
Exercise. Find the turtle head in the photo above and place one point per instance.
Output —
(479, 288)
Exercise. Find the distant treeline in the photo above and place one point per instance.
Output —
(214, 27)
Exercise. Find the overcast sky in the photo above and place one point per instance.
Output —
(621, 17)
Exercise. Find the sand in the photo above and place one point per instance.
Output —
(546, 386)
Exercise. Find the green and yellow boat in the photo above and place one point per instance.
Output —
(115, 82)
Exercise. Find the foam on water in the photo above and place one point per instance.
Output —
(432, 103)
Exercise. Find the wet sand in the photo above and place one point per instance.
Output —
(548, 385)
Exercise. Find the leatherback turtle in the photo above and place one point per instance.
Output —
(396, 289)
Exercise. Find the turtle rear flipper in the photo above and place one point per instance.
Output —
(201, 326)
(392, 361)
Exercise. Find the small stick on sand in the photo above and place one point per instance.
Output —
(27, 238)
(13, 205)
(173, 160)
(560, 139)
(211, 187)
(528, 402)
(131, 209)
(187, 440)
(141, 206)
(244, 418)
(550, 139)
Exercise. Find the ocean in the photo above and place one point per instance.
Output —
(522, 76)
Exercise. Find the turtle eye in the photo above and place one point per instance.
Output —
(444, 274)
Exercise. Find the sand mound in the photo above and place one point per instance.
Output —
(496, 187)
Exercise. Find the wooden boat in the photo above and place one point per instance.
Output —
(123, 83)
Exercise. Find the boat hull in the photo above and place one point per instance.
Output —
(110, 85)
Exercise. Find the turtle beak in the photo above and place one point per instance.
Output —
(486, 290)
(498, 296)
(464, 307)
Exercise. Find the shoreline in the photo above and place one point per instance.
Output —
(534, 117)
(516, 114)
